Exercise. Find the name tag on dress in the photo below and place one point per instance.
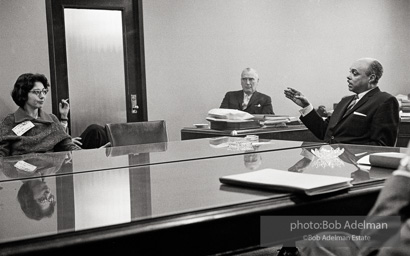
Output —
(22, 128)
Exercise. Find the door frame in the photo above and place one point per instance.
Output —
(134, 57)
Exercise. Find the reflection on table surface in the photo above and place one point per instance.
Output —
(60, 163)
(52, 205)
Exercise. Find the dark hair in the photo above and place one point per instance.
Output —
(375, 68)
(24, 84)
(29, 205)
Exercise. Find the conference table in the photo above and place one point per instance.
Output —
(166, 198)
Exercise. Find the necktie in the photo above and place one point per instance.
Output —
(246, 99)
(352, 103)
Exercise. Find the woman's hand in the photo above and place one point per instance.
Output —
(76, 140)
(64, 108)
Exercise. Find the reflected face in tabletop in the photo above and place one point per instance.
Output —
(36, 199)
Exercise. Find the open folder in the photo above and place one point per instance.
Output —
(310, 184)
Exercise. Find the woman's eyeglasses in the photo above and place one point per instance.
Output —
(38, 92)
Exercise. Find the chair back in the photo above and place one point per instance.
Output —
(123, 134)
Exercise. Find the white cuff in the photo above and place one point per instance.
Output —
(65, 124)
(306, 110)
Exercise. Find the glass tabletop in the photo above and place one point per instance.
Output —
(49, 205)
(59, 163)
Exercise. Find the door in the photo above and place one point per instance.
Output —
(97, 60)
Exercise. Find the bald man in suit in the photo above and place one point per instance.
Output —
(248, 99)
(369, 117)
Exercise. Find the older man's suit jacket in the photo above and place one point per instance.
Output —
(374, 120)
(258, 104)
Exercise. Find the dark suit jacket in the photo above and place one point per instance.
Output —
(374, 120)
(258, 104)
(394, 200)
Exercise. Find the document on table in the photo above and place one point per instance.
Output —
(272, 179)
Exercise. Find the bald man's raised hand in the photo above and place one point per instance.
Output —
(297, 97)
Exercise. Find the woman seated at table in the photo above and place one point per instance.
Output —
(30, 129)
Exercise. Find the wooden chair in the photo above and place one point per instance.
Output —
(123, 134)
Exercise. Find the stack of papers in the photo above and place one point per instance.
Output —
(269, 120)
(404, 107)
(231, 119)
(310, 184)
(405, 115)
(229, 114)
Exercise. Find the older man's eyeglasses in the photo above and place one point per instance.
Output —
(38, 92)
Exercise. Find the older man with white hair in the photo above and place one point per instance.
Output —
(248, 99)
